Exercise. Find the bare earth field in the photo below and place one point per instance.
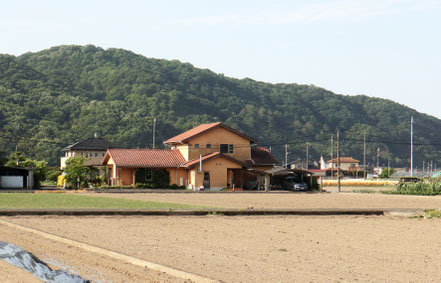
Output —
(10, 273)
(245, 249)
(287, 200)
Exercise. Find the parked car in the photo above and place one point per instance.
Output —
(294, 183)
(410, 179)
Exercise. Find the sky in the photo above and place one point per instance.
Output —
(382, 48)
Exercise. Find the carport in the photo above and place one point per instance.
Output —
(280, 173)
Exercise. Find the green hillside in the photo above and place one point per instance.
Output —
(58, 96)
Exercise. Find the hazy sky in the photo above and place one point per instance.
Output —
(383, 48)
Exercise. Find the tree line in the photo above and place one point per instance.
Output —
(65, 94)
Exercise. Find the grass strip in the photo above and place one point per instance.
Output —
(71, 201)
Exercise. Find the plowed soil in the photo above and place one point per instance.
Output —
(245, 249)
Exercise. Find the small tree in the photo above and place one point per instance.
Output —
(386, 173)
(75, 169)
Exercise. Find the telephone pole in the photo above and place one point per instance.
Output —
(154, 130)
(364, 155)
(338, 160)
(307, 156)
(411, 146)
(332, 156)
(378, 160)
(286, 155)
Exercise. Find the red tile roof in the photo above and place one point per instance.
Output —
(185, 136)
(145, 157)
(344, 160)
(262, 156)
(195, 162)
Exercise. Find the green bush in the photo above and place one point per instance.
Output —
(429, 188)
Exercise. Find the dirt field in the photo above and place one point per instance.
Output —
(245, 249)
(285, 200)
(10, 273)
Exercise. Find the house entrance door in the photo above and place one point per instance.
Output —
(206, 180)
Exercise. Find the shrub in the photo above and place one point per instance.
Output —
(430, 188)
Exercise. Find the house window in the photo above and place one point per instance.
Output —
(143, 175)
(208, 145)
(227, 148)
(87, 155)
(230, 149)
(104, 154)
(96, 154)
(224, 148)
(196, 145)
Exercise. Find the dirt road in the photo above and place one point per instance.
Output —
(246, 249)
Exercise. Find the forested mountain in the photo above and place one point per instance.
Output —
(58, 96)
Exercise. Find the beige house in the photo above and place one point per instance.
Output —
(346, 163)
(93, 149)
(210, 156)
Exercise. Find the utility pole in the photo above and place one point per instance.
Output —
(154, 131)
(411, 146)
(388, 167)
(307, 156)
(338, 160)
(423, 166)
(286, 155)
(364, 155)
(332, 156)
(378, 160)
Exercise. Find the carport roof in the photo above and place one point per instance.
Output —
(282, 171)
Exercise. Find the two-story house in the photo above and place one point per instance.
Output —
(211, 156)
(346, 163)
(93, 149)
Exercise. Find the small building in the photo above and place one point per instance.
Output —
(16, 178)
(93, 149)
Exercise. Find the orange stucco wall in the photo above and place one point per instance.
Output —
(125, 176)
(218, 169)
(177, 175)
(215, 137)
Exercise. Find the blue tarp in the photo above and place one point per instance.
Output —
(26, 261)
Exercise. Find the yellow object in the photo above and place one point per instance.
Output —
(61, 181)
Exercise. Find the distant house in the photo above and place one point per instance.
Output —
(346, 163)
(93, 149)
(210, 156)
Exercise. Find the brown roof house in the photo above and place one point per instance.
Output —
(209, 156)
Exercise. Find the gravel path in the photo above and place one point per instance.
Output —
(249, 249)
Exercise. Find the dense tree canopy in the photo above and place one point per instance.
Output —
(59, 96)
